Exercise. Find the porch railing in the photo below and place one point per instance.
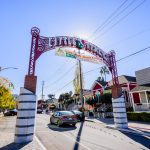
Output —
(142, 107)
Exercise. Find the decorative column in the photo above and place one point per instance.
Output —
(119, 112)
(118, 102)
(25, 122)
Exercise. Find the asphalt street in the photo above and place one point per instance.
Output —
(86, 136)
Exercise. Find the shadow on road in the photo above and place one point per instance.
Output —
(108, 121)
(76, 146)
(62, 128)
(138, 138)
(13, 146)
(142, 131)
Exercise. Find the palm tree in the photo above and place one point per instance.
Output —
(103, 71)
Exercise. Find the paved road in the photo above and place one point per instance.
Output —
(86, 136)
(7, 129)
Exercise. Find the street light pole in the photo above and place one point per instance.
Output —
(1, 69)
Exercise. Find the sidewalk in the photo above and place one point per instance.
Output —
(1, 114)
(140, 128)
(7, 128)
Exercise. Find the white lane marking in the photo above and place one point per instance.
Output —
(76, 141)
(43, 147)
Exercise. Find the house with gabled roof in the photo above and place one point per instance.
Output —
(98, 86)
(127, 83)
(142, 102)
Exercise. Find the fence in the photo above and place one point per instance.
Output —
(103, 114)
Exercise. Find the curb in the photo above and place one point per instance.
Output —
(128, 130)
(40, 143)
(124, 130)
(89, 120)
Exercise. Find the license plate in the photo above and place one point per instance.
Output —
(70, 118)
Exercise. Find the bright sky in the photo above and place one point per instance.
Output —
(72, 18)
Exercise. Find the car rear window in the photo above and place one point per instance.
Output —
(66, 113)
(77, 112)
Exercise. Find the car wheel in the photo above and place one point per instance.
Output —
(51, 121)
(73, 125)
(58, 123)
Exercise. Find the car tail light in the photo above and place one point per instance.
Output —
(74, 117)
(64, 118)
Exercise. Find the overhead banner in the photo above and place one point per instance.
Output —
(66, 52)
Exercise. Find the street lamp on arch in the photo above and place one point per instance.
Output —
(1, 69)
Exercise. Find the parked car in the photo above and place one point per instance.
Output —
(39, 111)
(11, 112)
(80, 115)
(63, 117)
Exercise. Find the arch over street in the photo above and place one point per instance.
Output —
(27, 104)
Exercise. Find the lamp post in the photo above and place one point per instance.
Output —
(1, 69)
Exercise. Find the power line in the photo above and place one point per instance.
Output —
(58, 78)
(133, 54)
(102, 25)
(130, 37)
(62, 75)
(91, 70)
(118, 14)
(120, 20)
(63, 86)
(121, 58)
(53, 75)
(100, 67)
(56, 70)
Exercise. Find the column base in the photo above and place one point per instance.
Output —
(25, 122)
(119, 112)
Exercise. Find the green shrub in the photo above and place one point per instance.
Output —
(106, 98)
(110, 109)
(137, 116)
(145, 117)
(109, 117)
(129, 109)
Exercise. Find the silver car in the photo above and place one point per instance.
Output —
(63, 117)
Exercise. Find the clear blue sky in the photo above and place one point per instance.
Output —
(73, 18)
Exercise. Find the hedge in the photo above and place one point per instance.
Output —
(137, 116)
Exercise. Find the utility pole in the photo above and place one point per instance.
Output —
(81, 88)
(42, 90)
(80, 46)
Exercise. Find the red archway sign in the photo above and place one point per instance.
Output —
(41, 44)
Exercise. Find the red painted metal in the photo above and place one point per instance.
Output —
(34, 46)
(41, 44)
(113, 68)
